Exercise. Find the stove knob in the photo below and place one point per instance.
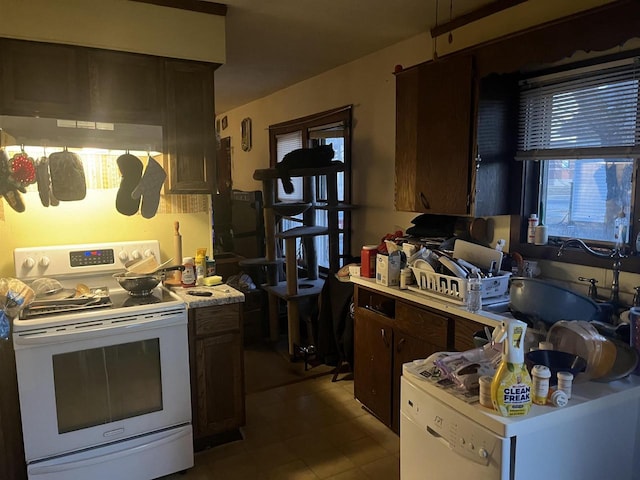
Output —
(28, 263)
(136, 255)
(482, 452)
(123, 256)
(148, 253)
(44, 262)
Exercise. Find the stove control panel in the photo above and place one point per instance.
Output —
(35, 262)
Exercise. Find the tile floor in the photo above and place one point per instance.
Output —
(309, 430)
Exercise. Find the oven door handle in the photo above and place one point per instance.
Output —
(93, 330)
(102, 458)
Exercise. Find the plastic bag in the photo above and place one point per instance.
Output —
(14, 296)
(466, 368)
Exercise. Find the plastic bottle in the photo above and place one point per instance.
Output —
(201, 265)
(189, 272)
(531, 230)
(368, 261)
(541, 375)
(405, 278)
(474, 292)
(511, 385)
(559, 398)
(621, 229)
(565, 382)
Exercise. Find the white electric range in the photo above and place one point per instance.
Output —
(104, 391)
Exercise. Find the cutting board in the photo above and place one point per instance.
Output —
(477, 254)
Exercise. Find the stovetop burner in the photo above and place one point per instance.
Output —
(88, 265)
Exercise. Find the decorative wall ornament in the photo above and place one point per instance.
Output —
(246, 134)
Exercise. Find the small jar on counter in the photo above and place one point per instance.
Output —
(559, 399)
(565, 382)
(189, 272)
(368, 261)
(540, 389)
(485, 391)
(406, 278)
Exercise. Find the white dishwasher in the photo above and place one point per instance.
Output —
(593, 438)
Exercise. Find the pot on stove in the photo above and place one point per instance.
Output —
(140, 285)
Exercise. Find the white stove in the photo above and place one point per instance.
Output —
(104, 391)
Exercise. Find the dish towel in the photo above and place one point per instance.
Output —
(131, 169)
(149, 188)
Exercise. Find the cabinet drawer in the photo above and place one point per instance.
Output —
(376, 302)
(216, 319)
(422, 324)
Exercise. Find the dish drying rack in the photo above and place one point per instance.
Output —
(454, 289)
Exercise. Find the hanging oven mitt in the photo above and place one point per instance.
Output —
(67, 176)
(10, 188)
(149, 188)
(43, 180)
(131, 169)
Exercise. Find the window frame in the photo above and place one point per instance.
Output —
(529, 172)
(306, 125)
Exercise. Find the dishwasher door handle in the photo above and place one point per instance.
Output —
(437, 436)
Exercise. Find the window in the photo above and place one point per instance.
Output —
(582, 125)
(331, 127)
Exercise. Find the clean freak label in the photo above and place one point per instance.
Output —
(514, 392)
(511, 386)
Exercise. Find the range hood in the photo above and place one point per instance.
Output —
(50, 132)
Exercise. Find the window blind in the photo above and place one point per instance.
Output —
(582, 114)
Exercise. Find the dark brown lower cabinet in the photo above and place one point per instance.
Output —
(217, 373)
(388, 333)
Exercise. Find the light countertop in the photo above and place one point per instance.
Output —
(221, 295)
(484, 317)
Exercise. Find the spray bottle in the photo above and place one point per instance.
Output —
(511, 385)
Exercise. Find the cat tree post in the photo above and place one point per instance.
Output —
(309, 219)
(293, 310)
(294, 289)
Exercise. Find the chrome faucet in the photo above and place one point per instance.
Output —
(614, 253)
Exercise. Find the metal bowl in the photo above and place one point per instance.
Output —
(140, 285)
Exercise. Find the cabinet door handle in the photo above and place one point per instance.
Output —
(424, 201)
(385, 340)
(400, 344)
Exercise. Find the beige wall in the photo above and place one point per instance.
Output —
(94, 220)
(117, 25)
(369, 85)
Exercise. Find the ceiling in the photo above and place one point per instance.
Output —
(272, 44)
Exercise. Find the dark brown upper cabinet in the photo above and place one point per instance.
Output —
(190, 127)
(78, 83)
(125, 87)
(43, 79)
(455, 116)
(434, 127)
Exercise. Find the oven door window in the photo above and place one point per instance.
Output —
(102, 385)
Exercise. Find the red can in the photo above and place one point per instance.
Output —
(368, 261)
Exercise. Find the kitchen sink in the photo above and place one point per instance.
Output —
(500, 307)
